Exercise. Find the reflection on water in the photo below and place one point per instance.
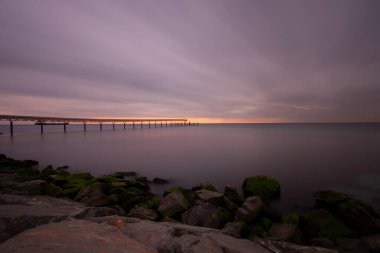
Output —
(303, 157)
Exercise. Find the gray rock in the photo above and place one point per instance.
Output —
(172, 204)
(173, 237)
(18, 213)
(210, 196)
(233, 229)
(34, 187)
(285, 232)
(251, 208)
(203, 214)
(287, 247)
(93, 195)
(372, 242)
(73, 236)
(143, 213)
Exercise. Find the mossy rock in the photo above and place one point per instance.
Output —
(204, 185)
(49, 170)
(264, 186)
(224, 216)
(271, 213)
(51, 190)
(257, 230)
(329, 199)
(79, 180)
(292, 218)
(187, 193)
(159, 180)
(322, 223)
(130, 197)
(152, 203)
(229, 204)
(266, 223)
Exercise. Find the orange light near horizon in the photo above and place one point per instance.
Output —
(236, 120)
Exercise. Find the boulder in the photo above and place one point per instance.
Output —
(158, 180)
(173, 204)
(263, 186)
(250, 210)
(18, 213)
(210, 196)
(329, 198)
(33, 187)
(204, 185)
(232, 194)
(143, 213)
(180, 238)
(93, 195)
(321, 222)
(187, 193)
(372, 242)
(73, 236)
(204, 214)
(233, 229)
(287, 247)
(285, 232)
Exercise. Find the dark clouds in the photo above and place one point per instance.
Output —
(295, 60)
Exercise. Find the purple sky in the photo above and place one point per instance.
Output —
(269, 60)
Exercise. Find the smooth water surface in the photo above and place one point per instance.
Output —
(302, 157)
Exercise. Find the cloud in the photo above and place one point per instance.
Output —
(293, 60)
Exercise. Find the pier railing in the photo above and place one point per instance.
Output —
(41, 121)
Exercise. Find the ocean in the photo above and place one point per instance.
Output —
(304, 158)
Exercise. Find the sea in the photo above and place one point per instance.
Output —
(304, 158)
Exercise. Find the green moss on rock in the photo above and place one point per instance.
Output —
(264, 186)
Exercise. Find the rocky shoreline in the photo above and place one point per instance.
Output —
(52, 210)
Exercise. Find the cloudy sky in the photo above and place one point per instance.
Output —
(255, 60)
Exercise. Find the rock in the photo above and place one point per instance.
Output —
(129, 197)
(263, 186)
(172, 204)
(18, 213)
(322, 242)
(30, 187)
(210, 196)
(287, 247)
(94, 212)
(233, 229)
(285, 232)
(250, 210)
(158, 180)
(321, 222)
(351, 245)
(358, 216)
(93, 195)
(173, 237)
(204, 185)
(73, 236)
(203, 214)
(187, 193)
(232, 194)
(143, 213)
(49, 170)
(329, 198)
(372, 242)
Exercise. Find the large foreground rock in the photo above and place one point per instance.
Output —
(74, 236)
(18, 213)
(180, 238)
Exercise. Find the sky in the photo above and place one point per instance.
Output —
(210, 61)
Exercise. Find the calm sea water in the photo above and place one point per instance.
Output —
(303, 157)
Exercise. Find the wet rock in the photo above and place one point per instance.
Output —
(232, 194)
(204, 185)
(287, 247)
(233, 229)
(203, 214)
(372, 242)
(321, 222)
(158, 180)
(210, 196)
(93, 195)
(285, 232)
(143, 213)
(173, 204)
(30, 187)
(250, 210)
(18, 213)
(322, 242)
(73, 236)
(263, 186)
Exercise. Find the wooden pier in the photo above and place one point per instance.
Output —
(41, 121)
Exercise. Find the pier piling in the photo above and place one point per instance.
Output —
(84, 126)
(11, 126)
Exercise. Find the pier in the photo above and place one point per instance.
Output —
(42, 121)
